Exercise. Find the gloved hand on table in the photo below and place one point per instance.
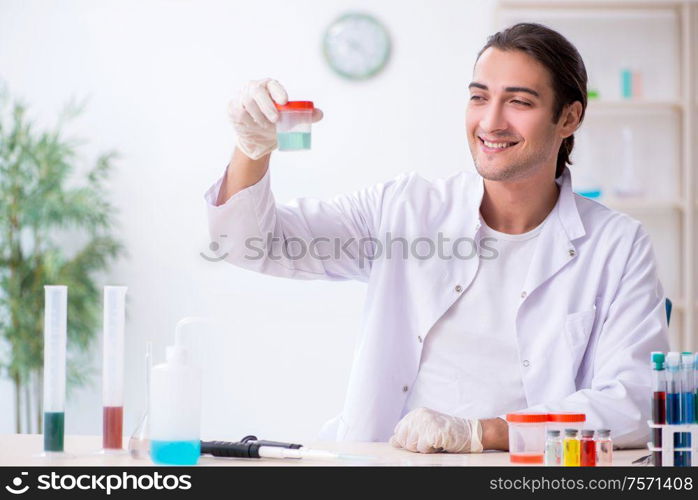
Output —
(428, 431)
(254, 116)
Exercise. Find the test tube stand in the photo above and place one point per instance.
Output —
(668, 449)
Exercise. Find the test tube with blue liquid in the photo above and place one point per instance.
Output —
(55, 340)
(695, 386)
(673, 399)
(687, 403)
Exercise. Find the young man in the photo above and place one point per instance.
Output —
(559, 315)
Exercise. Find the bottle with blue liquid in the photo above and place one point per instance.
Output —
(175, 406)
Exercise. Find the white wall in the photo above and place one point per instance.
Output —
(159, 75)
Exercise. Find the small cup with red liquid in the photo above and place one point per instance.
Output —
(527, 438)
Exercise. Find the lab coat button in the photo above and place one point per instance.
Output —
(572, 252)
(523, 295)
(405, 388)
(526, 363)
(459, 289)
(419, 338)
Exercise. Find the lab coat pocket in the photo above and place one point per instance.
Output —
(578, 327)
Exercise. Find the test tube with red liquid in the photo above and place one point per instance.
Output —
(658, 403)
(113, 368)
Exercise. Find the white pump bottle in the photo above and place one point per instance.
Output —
(175, 404)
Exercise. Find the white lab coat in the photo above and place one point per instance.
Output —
(592, 307)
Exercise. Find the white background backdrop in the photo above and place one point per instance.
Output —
(159, 75)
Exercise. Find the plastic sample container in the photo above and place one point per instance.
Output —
(293, 127)
(566, 420)
(527, 437)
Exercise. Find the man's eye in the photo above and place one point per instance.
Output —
(516, 101)
(475, 98)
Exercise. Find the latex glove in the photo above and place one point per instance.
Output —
(254, 116)
(428, 431)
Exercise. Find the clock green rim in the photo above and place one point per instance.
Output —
(371, 19)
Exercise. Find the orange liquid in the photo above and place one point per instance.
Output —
(526, 458)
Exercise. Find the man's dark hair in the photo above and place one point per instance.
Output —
(563, 62)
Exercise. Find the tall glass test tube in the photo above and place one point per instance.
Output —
(55, 338)
(113, 367)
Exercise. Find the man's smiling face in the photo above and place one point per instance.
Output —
(509, 117)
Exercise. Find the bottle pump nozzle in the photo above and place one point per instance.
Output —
(178, 352)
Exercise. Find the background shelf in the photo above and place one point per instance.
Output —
(642, 205)
(658, 39)
(633, 106)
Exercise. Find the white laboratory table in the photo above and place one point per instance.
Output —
(25, 450)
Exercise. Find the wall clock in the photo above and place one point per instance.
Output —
(356, 46)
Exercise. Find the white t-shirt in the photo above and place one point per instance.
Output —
(470, 364)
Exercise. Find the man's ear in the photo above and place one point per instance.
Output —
(571, 116)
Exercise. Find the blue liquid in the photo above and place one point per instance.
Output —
(687, 416)
(589, 193)
(687, 411)
(673, 408)
(673, 416)
(675, 413)
(292, 141)
(175, 452)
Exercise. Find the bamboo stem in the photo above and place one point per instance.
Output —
(16, 383)
(39, 401)
(27, 405)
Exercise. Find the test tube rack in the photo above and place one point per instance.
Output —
(668, 449)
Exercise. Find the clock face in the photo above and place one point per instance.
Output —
(356, 46)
